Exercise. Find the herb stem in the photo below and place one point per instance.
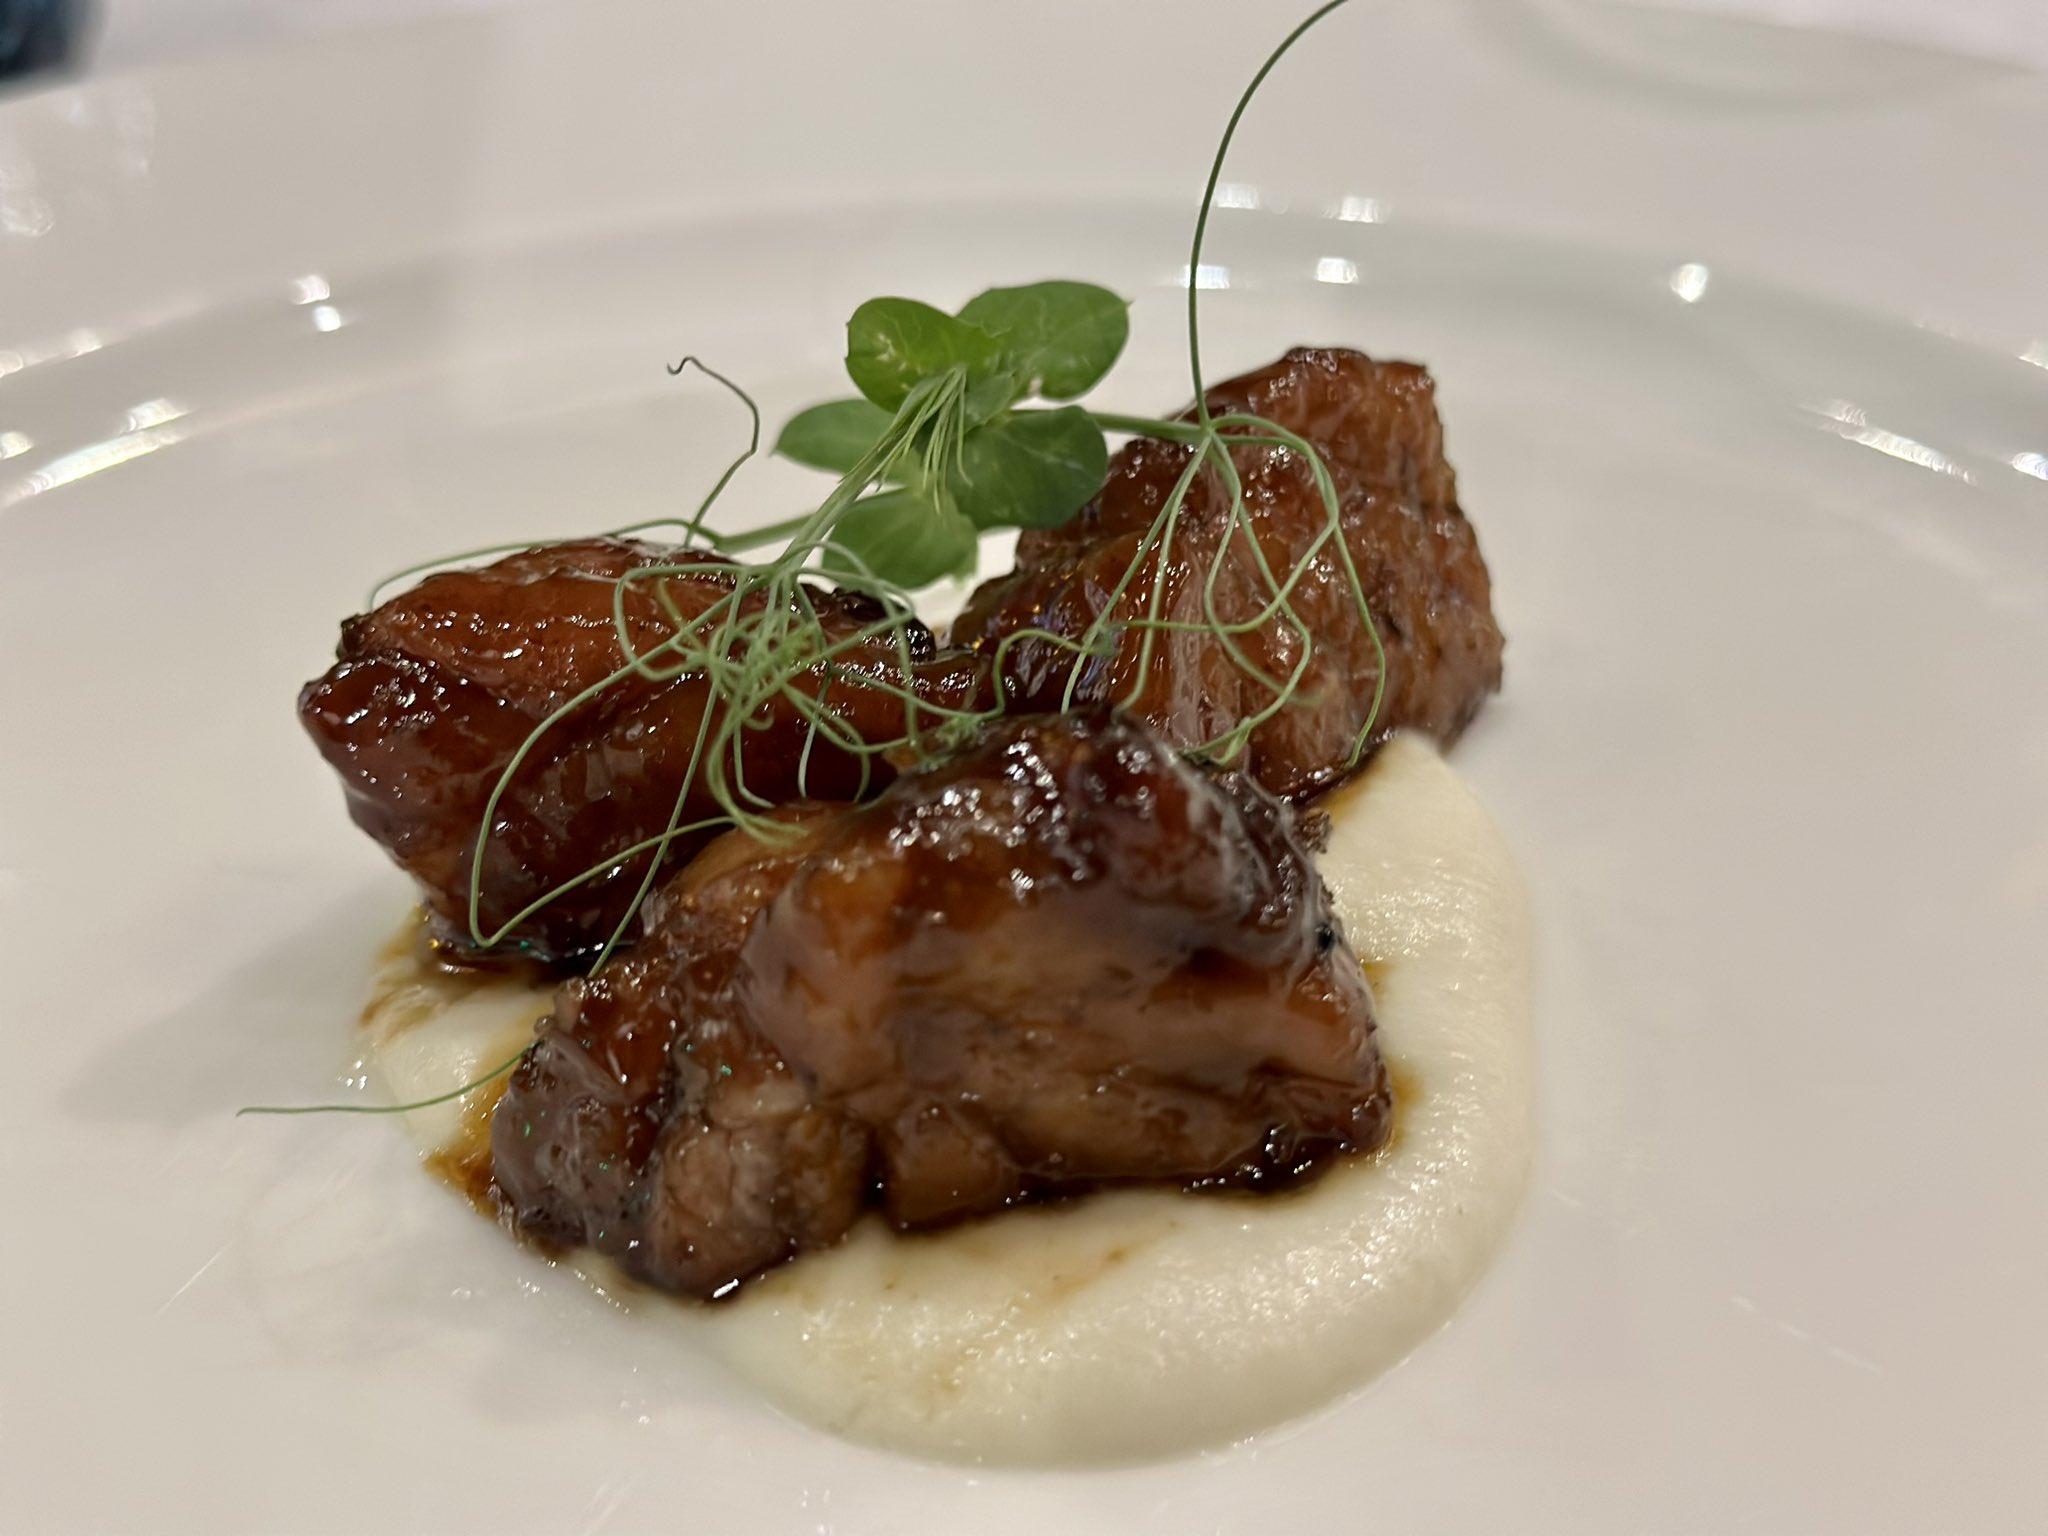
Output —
(1147, 426)
(755, 538)
(388, 1109)
(1209, 199)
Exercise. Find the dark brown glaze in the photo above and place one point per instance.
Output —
(436, 689)
(1375, 425)
(1061, 958)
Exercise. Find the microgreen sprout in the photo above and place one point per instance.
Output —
(941, 445)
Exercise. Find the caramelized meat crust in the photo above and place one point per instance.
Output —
(436, 689)
(1375, 425)
(1061, 958)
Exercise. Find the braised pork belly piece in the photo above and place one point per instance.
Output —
(1062, 957)
(435, 690)
(1375, 425)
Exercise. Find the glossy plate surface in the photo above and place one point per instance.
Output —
(1743, 351)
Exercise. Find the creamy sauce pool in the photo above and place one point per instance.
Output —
(1133, 1323)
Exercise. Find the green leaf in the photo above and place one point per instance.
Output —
(891, 344)
(990, 397)
(836, 435)
(1060, 337)
(903, 538)
(1030, 469)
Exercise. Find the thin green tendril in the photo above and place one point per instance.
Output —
(388, 1109)
(1209, 199)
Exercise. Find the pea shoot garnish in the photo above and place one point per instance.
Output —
(962, 424)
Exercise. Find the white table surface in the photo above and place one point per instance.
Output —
(140, 32)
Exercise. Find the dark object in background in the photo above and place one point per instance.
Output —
(37, 34)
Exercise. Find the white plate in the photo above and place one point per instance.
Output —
(1741, 338)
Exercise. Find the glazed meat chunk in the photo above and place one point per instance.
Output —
(436, 690)
(1060, 958)
(1375, 425)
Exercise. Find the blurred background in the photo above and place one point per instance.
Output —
(97, 35)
